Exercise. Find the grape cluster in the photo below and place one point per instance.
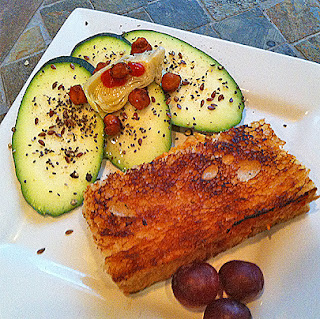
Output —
(200, 285)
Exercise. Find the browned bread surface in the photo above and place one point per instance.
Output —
(194, 202)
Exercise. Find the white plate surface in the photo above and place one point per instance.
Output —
(66, 281)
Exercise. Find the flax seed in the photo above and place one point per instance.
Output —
(220, 97)
(40, 251)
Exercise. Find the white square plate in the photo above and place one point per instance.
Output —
(67, 281)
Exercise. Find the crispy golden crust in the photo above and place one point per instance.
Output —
(194, 202)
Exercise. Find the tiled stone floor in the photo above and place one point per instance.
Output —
(27, 27)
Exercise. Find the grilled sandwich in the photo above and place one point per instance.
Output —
(199, 199)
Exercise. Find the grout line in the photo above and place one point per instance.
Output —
(138, 8)
(46, 36)
(274, 25)
(47, 39)
(21, 33)
(306, 38)
(147, 13)
(4, 106)
(50, 4)
(301, 40)
(206, 10)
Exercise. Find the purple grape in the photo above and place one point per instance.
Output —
(241, 280)
(225, 308)
(195, 285)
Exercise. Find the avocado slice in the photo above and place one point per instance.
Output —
(145, 133)
(102, 47)
(208, 99)
(57, 146)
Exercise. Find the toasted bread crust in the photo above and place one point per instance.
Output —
(194, 202)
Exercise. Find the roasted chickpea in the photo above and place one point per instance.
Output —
(77, 95)
(170, 82)
(120, 70)
(112, 125)
(100, 66)
(139, 98)
(140, 45)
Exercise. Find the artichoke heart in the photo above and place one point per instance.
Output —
(107, 100)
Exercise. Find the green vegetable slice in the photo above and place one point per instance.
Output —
(209, 99)
(145, 135)
(102, 47)
(57, 146)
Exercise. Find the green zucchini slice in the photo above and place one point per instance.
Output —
(208, 99)
(102, 47)
(145, 133)
(57, 146)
